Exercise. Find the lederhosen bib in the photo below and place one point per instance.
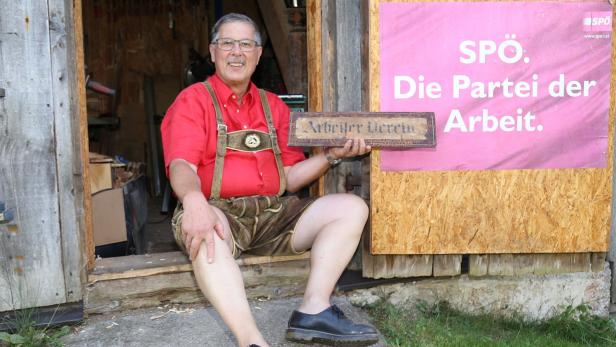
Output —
(243, 140)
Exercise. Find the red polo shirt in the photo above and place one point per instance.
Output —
(189, 132)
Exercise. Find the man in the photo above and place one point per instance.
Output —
(228, 163)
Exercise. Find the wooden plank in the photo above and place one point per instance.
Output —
(526, 264)
(65, 106)
(597, 262)
(390, 266)
(500, 265)
(344, 79)
(552, 263)
(412, 265)
(570, 213)
(347, 34)
(274, 15)
(333, 180)
(315, 86)
(31, 248)
(82, 186)
(478, 265)
(523, 264)
(396, 129)
(297, 51)
(580, 262)
(169, 262)
(447, 265)
(367, 267)
(281, 279)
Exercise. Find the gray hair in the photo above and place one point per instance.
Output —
(235, 17)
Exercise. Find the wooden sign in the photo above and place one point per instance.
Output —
(379, 129)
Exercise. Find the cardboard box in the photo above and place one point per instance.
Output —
(100, 177)
(108, 219)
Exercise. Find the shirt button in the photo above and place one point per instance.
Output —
(233, 97)
(238, 110)
(245, 126)
(224, 105)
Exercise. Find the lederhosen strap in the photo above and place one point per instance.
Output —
(243, 140)
(274, 139)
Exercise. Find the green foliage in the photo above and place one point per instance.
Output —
(26, 334)
(580, 325)
(440, 325)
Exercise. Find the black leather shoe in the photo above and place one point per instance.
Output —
(330, 327)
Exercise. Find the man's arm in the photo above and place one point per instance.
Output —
(199, 222)
(305, 172)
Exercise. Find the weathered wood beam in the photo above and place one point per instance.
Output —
(537, 264)
(68, 85)
(133, 266)
(447, 265)
(315, 73)
(274, 13)
(264, 277)
(80, 121)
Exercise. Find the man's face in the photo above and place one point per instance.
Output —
(235, 67)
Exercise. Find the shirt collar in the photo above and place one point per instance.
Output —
(226, 94)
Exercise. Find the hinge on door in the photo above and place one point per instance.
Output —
(2, 92)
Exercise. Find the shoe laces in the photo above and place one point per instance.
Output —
(338, 312)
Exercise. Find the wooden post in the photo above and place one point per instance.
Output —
(40, 169)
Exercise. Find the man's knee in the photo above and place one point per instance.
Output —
(226, 227)
(355, 206)
(221, 249)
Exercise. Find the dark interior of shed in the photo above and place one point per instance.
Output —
(145, 52)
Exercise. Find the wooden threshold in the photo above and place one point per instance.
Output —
(130, 282)
(133, 266)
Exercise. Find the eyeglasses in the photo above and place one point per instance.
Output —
(245, 45)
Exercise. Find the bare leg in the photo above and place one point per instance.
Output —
(332, 226)
(222, 284)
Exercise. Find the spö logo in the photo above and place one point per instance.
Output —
(598, 21)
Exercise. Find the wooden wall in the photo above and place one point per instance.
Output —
(512, 211)
(41, 259)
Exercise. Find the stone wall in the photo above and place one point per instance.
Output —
(532, 296)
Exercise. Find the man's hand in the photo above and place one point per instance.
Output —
(304, 172)
(352, 148)
(200, 223)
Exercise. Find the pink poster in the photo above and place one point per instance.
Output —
(513, 85)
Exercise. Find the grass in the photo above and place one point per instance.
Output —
(25, 333)
(440, 325)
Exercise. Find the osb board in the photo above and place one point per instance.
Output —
(513, 211)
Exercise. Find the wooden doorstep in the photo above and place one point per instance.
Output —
(133, 266)
(131, 282)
